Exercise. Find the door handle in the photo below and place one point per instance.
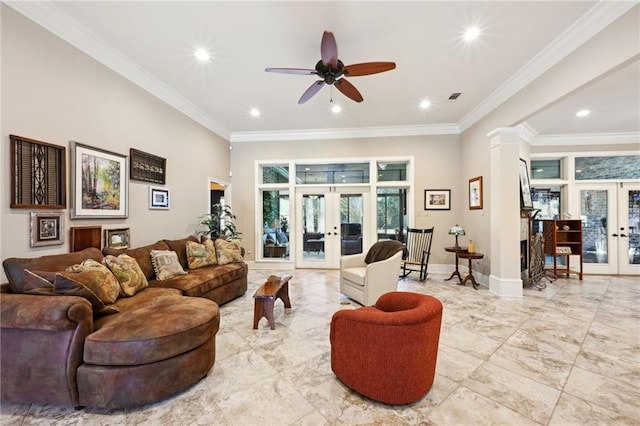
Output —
(623, 235)
(614, 235)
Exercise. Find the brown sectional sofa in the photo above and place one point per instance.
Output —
(54, 349)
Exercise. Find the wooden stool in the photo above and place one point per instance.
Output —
(266, 295)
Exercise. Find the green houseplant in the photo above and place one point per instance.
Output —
(219, 223)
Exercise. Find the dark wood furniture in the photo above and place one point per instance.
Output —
(266, 295)
(418, 252)
(563, 238)
(455, 250)
(83, 237)
(470, 256)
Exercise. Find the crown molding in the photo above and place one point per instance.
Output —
(595, 20)
(346, 133)
(577, 139)
(49, 16)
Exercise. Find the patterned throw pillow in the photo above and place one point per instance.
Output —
(93, 281)
(128, 272)
(199, 255)
(166, 264)
(228, 251)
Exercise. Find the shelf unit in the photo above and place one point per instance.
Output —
(563, 238)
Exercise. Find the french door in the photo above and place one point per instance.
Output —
(331, 221)
(610, 214)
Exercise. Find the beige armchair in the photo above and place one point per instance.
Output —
(364, 278)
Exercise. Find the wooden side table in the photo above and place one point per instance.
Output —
(470, 256)
(455, 250)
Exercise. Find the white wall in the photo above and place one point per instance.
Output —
(435, 163)
(610, 48)
(54, 93)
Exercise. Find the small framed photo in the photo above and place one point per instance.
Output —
(525, 189)
(47, 229)
(158, 198)
(475, 193)
(437, 199)
(117, 238)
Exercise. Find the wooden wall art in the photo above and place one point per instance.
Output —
(147, 167)
(38, 174)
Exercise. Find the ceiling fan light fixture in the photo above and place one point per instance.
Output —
(336, 109)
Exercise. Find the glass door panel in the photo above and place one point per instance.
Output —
(629, 229)
(351, 223)
(599, 217)
(313, 208)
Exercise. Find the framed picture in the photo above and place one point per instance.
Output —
(437, 199)
(158, 198)
(38, 174)
(47, 229)
(475, 193)
(117, 238)
(147, 167)
(99, 183)
(525, 188)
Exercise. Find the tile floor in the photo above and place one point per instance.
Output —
(569, 354)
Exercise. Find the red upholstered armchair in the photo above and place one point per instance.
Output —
(388, 352)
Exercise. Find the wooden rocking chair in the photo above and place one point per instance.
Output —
(418, 251)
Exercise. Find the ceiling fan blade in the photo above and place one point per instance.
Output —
(302, 71)
(348, 90)
(312, 90)
(368, 68)
(329, 50)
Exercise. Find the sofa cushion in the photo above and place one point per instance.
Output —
(142, 255)
(126, 269)
(180, 247)
(354, 275)
(90, 280)
(95, 276)
(227, 251)
(155, 324)
(199, 255)
(40, 282)
(201, 281)
(14, 267)
(166, 264)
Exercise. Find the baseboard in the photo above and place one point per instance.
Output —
(504, 287)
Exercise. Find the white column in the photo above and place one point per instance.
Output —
(505, 145)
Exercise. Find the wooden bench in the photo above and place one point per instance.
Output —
(266, 295)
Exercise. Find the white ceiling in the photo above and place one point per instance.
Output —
(152, 42)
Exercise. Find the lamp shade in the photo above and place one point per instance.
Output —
(456, 230)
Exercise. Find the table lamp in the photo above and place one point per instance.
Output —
(457, 231)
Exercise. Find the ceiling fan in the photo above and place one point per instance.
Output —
(333, 72)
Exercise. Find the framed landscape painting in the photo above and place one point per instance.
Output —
(99, 183)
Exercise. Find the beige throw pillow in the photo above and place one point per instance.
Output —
(128, 272)
(166, 264)
(199, 255)
(228, 251)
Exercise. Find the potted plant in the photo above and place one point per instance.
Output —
(219, 223)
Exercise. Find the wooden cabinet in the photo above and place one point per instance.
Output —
(563, 238)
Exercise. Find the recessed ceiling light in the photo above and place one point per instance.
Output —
(583, 113)
(336, 109)
(425, 104)
(202, 54)
(471, 34)
(255, 112)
